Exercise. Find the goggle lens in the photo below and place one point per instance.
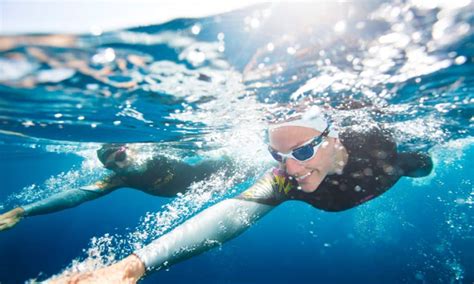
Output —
(304, 153)
(275, 155)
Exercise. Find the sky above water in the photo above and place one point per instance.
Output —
(85, 16)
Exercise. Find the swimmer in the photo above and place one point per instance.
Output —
(157, 176)
(329, 170)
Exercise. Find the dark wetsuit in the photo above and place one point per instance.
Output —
(372, 168)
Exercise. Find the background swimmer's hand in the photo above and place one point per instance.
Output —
(11, 218)
(126, 271)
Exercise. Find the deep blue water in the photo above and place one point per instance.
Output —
(204, 85)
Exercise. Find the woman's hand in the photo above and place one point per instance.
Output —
(126, 271)
(11, 218)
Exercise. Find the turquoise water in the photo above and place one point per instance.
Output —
(205, 88)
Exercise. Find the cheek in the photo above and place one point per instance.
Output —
(319, 162)
(324, 159)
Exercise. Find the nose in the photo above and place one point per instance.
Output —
(293, 167)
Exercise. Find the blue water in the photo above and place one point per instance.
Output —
(206, 86)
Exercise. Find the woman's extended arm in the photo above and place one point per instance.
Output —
(210, 228)
(213, 226)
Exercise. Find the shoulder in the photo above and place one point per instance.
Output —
(272, 188)
(365, 133)
(370, 142)
(371, 138)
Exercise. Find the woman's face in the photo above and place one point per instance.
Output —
(309, 174)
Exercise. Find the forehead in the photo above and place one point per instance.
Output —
(286, 138)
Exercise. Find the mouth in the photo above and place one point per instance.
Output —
(303, 177)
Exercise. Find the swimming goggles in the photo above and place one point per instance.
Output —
(303, 153)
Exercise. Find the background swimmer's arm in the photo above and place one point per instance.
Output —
(71, 198)
(60, 201)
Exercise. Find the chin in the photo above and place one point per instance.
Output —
(311, 184)
(308, 188)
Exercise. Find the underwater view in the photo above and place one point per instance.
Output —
(187, 104)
